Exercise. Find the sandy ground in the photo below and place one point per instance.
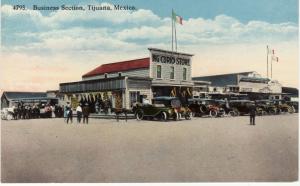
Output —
(202, 149)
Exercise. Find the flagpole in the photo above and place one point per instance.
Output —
(172, 28)
(267, 61)
(271, 67)
(175, 37)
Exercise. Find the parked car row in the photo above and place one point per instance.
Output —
(165, 108)
(162, 108)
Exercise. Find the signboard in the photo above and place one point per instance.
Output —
(167, 59)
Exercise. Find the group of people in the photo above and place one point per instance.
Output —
(27, 111)
(81, 112)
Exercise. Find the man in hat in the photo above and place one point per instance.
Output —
(86, 113)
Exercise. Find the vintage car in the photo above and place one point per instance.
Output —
(225, 108)
(294, 105)
(201, 107)
(163, 108)
(266, 107)
(283, 107)
(241, 107)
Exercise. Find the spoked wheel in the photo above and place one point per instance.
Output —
(272, 111)
(189, 116)
(164, 116)
(291, 110)
(231, 113)
(213, 113)
(139, 115)
(202, 109)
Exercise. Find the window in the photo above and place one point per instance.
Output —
(172, 73)
(158, 71)
(120, 74)
(184, 73)
(105, 75)
(134, 97)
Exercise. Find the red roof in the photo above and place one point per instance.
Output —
(119, 67)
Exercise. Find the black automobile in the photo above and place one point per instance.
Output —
(163, 108)
(204, 107)
(241, 107)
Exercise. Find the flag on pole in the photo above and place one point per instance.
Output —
(177, 18)
(274, 58)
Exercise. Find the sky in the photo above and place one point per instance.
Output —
(40, 49)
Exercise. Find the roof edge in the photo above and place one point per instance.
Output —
(171, 52)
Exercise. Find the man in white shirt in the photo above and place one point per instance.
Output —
(79, 113)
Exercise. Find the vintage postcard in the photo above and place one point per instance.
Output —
(142, 91)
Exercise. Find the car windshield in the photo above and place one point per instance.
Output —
(158, 105)
(167, 103)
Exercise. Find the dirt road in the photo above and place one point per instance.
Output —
(202, 149)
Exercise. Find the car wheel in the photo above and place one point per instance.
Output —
(236, 112)
(193, 114)
(164, 116)
(139, 115)
(9, 117)
(292, 110)
(272, 111)
(189, 116)
(231, 113)
(213, 113)
(202, 109)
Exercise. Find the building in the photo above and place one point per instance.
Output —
(250, 83)
(290, 93)
(9, 98)
(163, 73)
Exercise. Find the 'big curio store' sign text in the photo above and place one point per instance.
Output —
(170, 60)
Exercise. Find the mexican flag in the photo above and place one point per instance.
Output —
(274, 58)
(176, 18)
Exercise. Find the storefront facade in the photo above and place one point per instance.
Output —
(122, 84)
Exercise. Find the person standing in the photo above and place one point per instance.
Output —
(65, 113)
(252, 114)
(86, 113)
(69, 115)
(79, 113)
